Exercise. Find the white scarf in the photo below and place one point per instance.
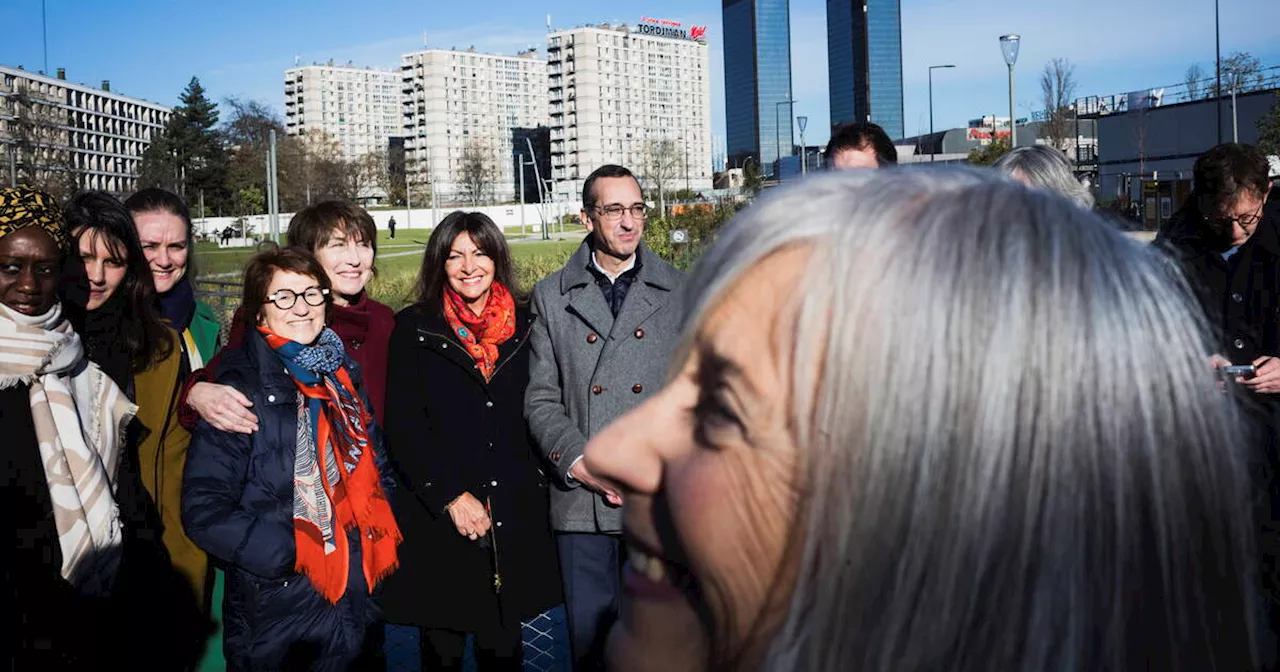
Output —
(79, 416)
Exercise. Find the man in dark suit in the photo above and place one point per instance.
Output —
(607, 323)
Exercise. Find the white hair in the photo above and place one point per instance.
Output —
(1013, 454)
(1046, 168)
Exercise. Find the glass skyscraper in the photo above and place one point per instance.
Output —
(757, 81)
(864, 62)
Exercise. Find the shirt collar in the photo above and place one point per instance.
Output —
(613, 277)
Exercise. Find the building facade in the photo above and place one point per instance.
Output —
(638, 96)
(63, 136)
(757, 82)
(864, 62)
(358, 108)
(461, 111)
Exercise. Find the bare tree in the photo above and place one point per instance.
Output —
(1242, 71)
(661, 165)
(39, 145)
(1058, 92)
(1192, 79)
(476, 172)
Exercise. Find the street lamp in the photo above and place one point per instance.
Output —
(1217, 46)
(777, 133)
(803, 121)
(1009, 46)
(931, 69)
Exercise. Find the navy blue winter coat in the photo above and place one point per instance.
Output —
(237, 505)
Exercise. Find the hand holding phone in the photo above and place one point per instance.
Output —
(1234, 371)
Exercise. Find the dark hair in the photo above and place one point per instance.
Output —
(262, 268)
(860, 135)
(429, 293)
(1224, 172)
(147, 340)
(607, 170)
(155, 199)
(312, 227)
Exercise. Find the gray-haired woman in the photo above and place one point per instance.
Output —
(984, 437)
(1045, 168)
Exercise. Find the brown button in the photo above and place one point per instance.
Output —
(639, 333)
(592, 338)
(637, 388)
(596, 389)
(555, 457)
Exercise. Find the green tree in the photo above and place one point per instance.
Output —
(188, 157)
(988, 154)
(1269, 130)
(752, 179)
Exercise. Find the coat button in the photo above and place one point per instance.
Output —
(639, 333)
(1239, 344)
(637, 388)
(596, 389)
(493, 483)
(592, 338)
(271, 397)
(355, 345)
(488, 404)
(444, 345)
(1237, 297)
(555, 457)
(499, 523)
(422, 338)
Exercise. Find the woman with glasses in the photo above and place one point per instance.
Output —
(297, 511)
(479, 557)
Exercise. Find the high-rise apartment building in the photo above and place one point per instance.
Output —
(461, 110)
(638, 96)
(80, 137)
(359, 108)
(864, 62)
(757, 82)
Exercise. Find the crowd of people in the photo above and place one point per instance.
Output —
(910, 418)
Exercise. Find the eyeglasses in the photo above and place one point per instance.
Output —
(614, 212)
(287, 298)
(1246, 222)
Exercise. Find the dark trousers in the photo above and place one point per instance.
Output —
(591, 568)
(496, 649)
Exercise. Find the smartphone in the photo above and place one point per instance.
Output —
(1242, 370)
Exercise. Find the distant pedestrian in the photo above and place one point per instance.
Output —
(392, 226)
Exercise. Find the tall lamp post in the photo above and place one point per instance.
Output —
(1217, 52)
(777, 132)
(803, 121)
(1009, 46)
(931, 69)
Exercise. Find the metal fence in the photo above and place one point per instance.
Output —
(1185, 92)
(223, 296)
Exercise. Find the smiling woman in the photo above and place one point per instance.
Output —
(974, 441)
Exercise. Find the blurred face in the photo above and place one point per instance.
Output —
(301, 322)
(104, 265)
(29, 265)
(863, 157)
(616, 235)
(470, 272)
(707, 469)
(1241, 218)
(164, 243)
(347, 259)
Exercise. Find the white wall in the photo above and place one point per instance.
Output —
(505, 216)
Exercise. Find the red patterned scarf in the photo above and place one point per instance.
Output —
(339, 457)
(482, 334)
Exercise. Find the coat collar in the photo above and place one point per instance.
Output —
(654, 270)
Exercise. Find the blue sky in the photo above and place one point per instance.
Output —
(151, 48)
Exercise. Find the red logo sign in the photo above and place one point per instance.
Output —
(697, 32)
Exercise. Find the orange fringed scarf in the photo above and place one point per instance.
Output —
(347, 471)
(482, 334)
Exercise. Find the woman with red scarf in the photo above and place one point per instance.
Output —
(297, 512)
(479, 557)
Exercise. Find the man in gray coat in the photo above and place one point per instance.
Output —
(607, 325)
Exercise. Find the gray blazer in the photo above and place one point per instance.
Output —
(587, 369)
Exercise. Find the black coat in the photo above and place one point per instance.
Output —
(450, 432)
(237, 505)
(150, 618)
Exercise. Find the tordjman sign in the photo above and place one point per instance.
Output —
(667, 28)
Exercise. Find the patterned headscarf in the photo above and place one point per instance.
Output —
(21, 207)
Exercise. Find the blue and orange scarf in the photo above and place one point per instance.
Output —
(336, 483)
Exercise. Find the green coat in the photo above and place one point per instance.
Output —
(205, 330)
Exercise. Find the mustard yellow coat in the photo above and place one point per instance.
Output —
(162, 454)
